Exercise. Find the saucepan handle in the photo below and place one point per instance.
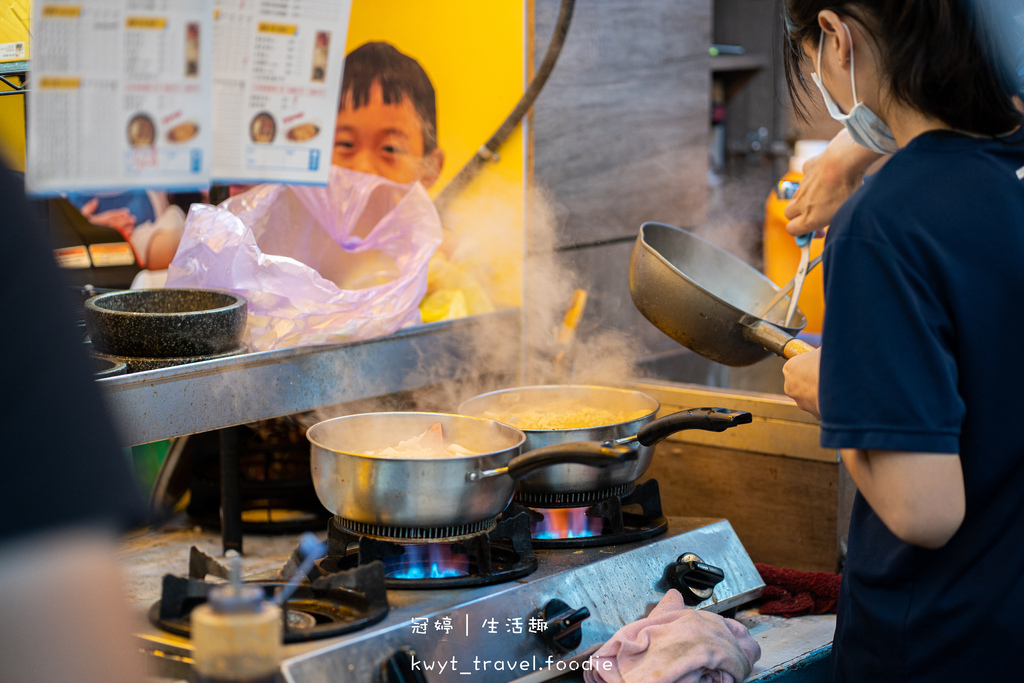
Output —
(707, 419)
(592, 453)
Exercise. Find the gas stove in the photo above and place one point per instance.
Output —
(537, 625)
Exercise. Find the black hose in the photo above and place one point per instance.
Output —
(489, 150)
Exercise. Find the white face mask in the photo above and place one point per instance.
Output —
(864, 126)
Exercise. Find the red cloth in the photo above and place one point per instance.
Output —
(792, 593)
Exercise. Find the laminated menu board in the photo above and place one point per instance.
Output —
(120, 95)
(276, 85)
(174, 94)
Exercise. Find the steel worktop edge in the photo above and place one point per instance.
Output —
(188, 399)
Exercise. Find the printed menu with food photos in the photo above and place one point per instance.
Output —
(277, 77)
(120, 95)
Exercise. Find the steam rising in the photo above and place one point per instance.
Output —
(736, 216)
(488, 237)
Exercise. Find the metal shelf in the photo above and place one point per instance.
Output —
(735, 71)
(19, 69)
(188, 399)
(746, 62)
(16, 68)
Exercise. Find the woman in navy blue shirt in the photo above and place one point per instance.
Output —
(918, 377)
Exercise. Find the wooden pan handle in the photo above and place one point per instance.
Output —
(795, 348)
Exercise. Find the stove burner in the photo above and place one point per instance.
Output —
(501, 554)
(557, 523)
(423, 534)
(550, 527)
(299, 620)
(573, 499)
(330, 606)
(430, 561)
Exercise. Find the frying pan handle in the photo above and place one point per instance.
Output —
(795, 348)
(773, 338)
(708, 419)
(592, 453)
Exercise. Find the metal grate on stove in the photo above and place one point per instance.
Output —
(398, 533)
(572, 499)
(327, 606)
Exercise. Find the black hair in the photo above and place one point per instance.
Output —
(955, 60)
(399, 76)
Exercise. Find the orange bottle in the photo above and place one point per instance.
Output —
(781, 254)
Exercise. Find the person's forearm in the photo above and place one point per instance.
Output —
(858, 158)
(162, 248)
(919, 496)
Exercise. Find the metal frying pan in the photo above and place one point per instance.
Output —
(431, 492)
(701, 296)
(636, 410)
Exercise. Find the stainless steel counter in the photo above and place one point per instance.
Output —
(188, 399)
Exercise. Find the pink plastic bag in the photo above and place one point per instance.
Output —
(317, 264)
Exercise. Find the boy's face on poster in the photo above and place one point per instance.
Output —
(384, 139)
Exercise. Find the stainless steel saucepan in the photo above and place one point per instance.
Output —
(705, 298)
(636, 426)
(431, 492)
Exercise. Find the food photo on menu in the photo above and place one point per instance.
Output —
(182, 132)
(263, 129)
(303, 132)
(320, 47)
(141, 131)
(192, 49)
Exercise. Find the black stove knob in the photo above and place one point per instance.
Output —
(692, 577)
(563, 628)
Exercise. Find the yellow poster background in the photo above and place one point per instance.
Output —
(475, 54)
(15, 16)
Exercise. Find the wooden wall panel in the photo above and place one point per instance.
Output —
(620, 131)
(783, 509)
(620, 136)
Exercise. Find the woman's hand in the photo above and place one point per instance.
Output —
(801, 373)
(829, 179)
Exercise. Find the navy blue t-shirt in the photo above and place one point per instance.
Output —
(923, 351)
